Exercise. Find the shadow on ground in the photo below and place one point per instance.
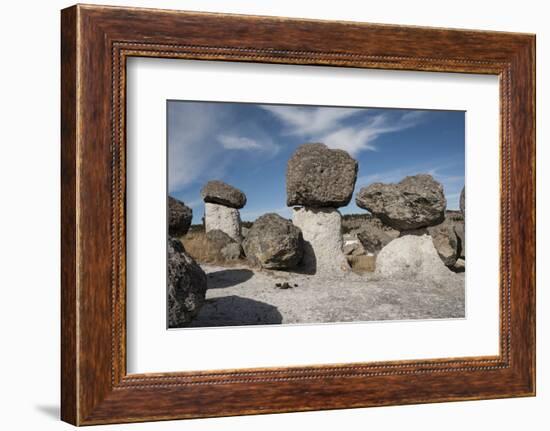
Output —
(236, 311)
(228, 278)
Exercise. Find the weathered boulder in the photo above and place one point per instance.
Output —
(460, 234)
(445, 241)
(373, 237)
(218, 192)
(322, 232)
(186, 285)
(179, 217)
(274, 242)
(221, 217)
(463, 200)
(319, 177)
(415, 202)
(411, 256)
(221, 247)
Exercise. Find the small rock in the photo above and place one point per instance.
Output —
(415, 202)
(274, 242)
(285, 285)
(218, 192)
(179, 217)
(186, 285)
(318, 176)
(353, 247)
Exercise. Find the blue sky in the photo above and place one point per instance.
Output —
(248, 146)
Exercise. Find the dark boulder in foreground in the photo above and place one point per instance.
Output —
(415, 202)
(186, 285)
(179, 217)
(218, 192)
(274, 242)
(318, 176)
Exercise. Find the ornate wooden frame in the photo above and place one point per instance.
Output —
(95, 43)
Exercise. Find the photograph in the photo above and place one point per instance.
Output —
(302, 214)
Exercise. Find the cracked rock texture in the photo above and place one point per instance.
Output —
(179, 217)
(415, 202)
(319, 177)
(186, 285)
(274, 242)
(218, 192)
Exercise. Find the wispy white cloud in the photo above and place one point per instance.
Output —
(301, 120)
(331, 125)
(234, 142)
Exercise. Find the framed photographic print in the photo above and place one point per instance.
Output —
(266, 215)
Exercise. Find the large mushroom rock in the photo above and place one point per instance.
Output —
(221, 217)
(320, 177)
(322, 232)
(463, 200)
(273, 242)
(179, 217)
(186, 285)
(415, 202)
(218, 192)
(411, 256)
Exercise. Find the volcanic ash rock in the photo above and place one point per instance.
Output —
(218, 192)
(186, 285)
(320, 177)
(322, 232)
(415, 202)
(274, 242)
(179, 217)
(411, 256)
(221, 217)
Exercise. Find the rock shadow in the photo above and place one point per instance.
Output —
(308, 265)
(236, 311)
(228, 278)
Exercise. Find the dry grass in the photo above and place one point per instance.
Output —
(361, 264)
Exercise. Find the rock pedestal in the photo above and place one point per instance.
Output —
(411, 256)
(322, 233)
(320, 179)
(221, 217)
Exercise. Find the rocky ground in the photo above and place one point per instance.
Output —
(242, 296)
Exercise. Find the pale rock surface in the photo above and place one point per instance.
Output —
(226, 219)
(322, 233)
(411, 256)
